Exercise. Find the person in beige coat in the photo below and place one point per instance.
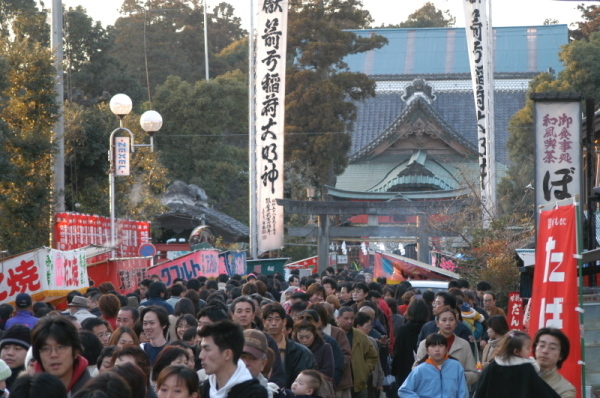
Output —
(446, 321)
(497, 328)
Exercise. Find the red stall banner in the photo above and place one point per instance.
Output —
(124, 274)
(555, 298)
(515, 311)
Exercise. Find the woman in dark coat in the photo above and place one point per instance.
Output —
(306, 333)
(417, 314)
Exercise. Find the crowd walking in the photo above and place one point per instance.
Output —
(340, 334)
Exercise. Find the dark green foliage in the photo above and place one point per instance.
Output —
(90, 70)
(173, 35)
(319, 89)
(27, 113)
(426, 17)
(205, 138)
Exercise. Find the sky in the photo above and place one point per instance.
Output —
(504, 12)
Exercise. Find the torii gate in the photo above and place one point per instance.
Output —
(373, 209)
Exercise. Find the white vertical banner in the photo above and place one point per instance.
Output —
(480, 43)
(121, 156)
(271, 35)
(558, 157)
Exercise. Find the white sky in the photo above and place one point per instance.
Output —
(504, 12)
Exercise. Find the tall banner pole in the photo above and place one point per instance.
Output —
(252, 139)
(271, 45)
(556, 297)
(579, 233)
(491, 136)
(480, 44)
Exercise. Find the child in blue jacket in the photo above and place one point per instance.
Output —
(437, 376)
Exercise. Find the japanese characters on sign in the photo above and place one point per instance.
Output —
(121, 160)
(73, 230)
(515, 311)
(125, 274)
(233, 262)
(42, 271)
(270, 103)
(479, 42)
(193, 265)
(557, 151)
(555, 298)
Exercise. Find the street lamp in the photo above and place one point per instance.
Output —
(151, 122)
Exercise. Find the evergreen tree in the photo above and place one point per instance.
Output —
(91, 73)
(27, 110)
(319, 87)
(427, 16)
(205, 137)
(169, 36)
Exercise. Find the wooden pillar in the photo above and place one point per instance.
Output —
(323, 242)
(422, 240)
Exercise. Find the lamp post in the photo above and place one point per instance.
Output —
(151, 122)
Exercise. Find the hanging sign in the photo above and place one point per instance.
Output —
(271, 46)
(121, 156)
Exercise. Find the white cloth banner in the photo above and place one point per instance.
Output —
(42, 271)
(479, 33)
(270, 103)
(558, 157)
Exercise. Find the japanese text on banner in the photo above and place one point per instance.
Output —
(554, 301)
(558, 152)
(270, 98)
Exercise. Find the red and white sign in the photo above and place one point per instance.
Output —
(42, 273)
(555, 300)
(515, 311)
(73, 231)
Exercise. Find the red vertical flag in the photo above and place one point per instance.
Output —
(555, 295)
(515, 311)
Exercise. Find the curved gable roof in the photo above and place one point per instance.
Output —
(418, 104)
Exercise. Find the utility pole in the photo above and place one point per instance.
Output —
(56, 43)
(205, 42)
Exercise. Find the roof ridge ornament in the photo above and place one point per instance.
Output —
(419, 88)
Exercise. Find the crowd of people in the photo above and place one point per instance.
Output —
(340, 334)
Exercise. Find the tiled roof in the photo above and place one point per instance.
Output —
(457, 109)
(444, 50)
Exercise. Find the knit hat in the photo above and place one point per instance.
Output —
(16, 334)
(5, 371)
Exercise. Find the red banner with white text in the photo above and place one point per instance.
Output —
(515, 311)
(555, 301)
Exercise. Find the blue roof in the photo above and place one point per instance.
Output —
(444, 50)
(375, 115)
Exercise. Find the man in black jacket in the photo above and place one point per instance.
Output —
(222, 346)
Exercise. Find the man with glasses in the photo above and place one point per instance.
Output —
(441, 300)
(99, 327)
(489, 304)
(56, 349)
